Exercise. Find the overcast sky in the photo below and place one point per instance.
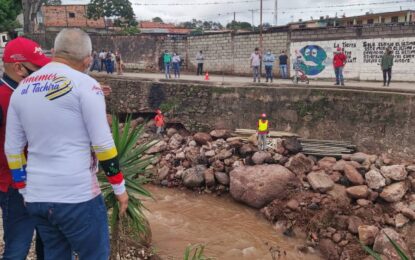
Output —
(288, 10)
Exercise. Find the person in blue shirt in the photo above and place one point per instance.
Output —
(269, 60)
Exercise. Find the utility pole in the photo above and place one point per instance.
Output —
(234, 16)
(252, 24)
(260, 35)
(276, 12)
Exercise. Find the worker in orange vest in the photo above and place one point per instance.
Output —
(159, 121)
(263, 131)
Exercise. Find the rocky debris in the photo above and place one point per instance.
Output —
(320, 181)
(300, 164)
(202, 138)
(394, 172)
(375, 179)
(400, 220)
(209, 176)
(327, 164)
(353, 223)
(293, 205)
(394, 192)
(353, 175)
(384, 247)
(261, 157)
(171, 131)
(175, 141)
(258, 185)
(367, 234)
(329, 249)
(358, 192)
(163, 173)
(194, 177)
(224, 154)
(222, 178)
(247, 150)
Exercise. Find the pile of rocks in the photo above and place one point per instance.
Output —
(334, 200)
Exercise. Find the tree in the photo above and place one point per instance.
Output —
(202, 25)
(121, 10)
(235, 25)
(157, 20)
(9, 9)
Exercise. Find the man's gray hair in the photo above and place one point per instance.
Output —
(73, 44)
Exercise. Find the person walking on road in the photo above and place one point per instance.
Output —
(159, 122)
(21, 58)
(269, 60)
(200, 59)
(61, 189)
(283, 58)
(386, 64)
(167, 61)
(255, 63)
(339, 61)
(263, 131)
(176, 65)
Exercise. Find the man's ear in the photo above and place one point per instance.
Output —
(87, 61)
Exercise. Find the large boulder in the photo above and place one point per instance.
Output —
(358, 192)
(327, 164)
(194, 177)
(220, 134)
(394, 172)
(353, 175)
(300, 164)
(175, 141)
(258, 185)
(384, 246)
(375, 180)
(260, 157)
(247, 150)
(222, 178)
(157, 148)
(367, 234)
(394, 192)
(292, 144)
(320, 181)
(209, 176)
(202, 138)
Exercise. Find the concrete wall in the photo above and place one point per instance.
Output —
(376, 121)
(364, 57)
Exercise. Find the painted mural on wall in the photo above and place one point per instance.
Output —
(364, 57)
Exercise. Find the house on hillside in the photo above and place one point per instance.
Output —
(162, 28)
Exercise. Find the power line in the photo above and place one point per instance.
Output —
(201, 3)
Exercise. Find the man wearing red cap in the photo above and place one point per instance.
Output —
(339, 61)
(159, 122)
(21, 58)
(263, 131)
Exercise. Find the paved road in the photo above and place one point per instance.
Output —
(247, 81)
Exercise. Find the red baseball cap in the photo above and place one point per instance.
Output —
(24, 50)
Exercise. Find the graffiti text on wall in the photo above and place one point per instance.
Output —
(403, 51)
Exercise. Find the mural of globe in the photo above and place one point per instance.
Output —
(314, 57)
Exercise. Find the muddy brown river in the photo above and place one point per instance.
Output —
(229, 230)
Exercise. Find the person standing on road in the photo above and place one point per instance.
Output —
(255, 63)
(263, 131)
(269, 60)
(200, 59)
(159, 122)
(339, 61)
(95, 61)
(21, 58)
(283, 58)
(61, 189)
(386, 64)
(167, 61)
(102, 56)
(118, 60)
(176, 65)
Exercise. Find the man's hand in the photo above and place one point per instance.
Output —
(123, 201)
(106, 89)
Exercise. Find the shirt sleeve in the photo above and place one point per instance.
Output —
(95, 119)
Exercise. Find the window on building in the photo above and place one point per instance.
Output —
(350, 23)
(370, 21)
(4, 38)
(395, 19)
(382, 20)
(71, 15)
(359, 22)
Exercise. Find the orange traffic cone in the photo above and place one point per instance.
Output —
(207, 76)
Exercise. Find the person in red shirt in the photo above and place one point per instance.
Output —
(159, 122)
(21, 58)
(339, 61)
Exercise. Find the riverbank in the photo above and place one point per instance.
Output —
(333, 201)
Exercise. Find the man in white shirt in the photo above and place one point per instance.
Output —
(255, 62)
(59, 111)
(200, 59)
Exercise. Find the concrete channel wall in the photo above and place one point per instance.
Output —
(375, 121)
